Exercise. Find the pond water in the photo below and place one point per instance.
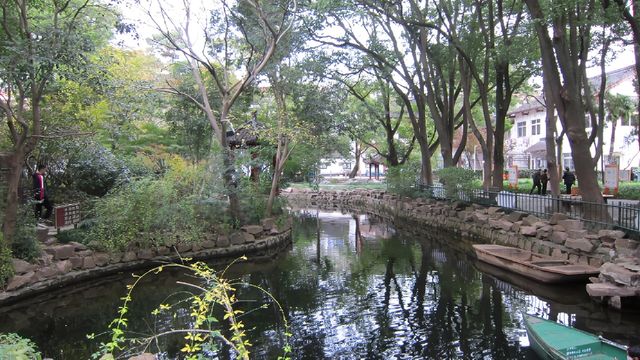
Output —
(352, 287)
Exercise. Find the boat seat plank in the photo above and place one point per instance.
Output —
(559, 338)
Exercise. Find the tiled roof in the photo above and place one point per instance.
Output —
(614, 78)
(534, 105)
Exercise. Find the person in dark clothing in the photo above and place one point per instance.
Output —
(544, 179)
(40, 193)
(536, 182)
(569, 179)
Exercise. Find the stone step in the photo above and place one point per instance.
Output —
(605, 289)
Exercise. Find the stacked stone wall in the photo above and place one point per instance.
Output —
(64, 264)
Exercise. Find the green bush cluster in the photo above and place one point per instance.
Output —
(15, 347)
(402, 179)
(145, 212)
(25, 245)
(6, 269)
(458, 182)
(629, 190)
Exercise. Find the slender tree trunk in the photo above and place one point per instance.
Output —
(560, 154)
(635, 6)
(503, 98)
(614, 123)
(550, 140)
(356, 166)
(275, 181)
(255, 169)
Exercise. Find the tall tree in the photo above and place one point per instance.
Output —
(239, 40)
(618, 107)
(378, 102)
(367, 28)
(42, 41)
(564, 61)
(629, 10)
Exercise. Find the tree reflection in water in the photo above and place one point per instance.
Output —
(352, 287)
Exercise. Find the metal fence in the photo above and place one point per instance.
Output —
(599, 216)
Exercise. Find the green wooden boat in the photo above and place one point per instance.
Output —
(551, 340)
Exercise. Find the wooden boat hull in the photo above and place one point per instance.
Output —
(565, 294)
(554, 341)
(539, 267)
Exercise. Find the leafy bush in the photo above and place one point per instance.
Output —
(6, 269)
(25, 244)
(145, 211)
(526, 173)
(84, 165)
(458, 182)
(402, 179)
(629, 190)
(14, 347)
(79, 235)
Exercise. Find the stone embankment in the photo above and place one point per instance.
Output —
(63, 264)
(559, 236)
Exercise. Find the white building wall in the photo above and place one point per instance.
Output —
(625, 146)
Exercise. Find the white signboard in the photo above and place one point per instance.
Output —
(611, 178)
(513, 176)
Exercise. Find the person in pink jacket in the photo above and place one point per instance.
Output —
(40, 193)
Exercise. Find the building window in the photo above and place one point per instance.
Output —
(567, 160)
(535, 127)
(522, 129)
(624, 120)
(346, 165)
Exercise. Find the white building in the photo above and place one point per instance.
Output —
(525, 142)
(336, 165)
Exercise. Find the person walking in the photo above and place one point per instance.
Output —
(40, 193)
(569, 179)
(536, 181)
(544, 179)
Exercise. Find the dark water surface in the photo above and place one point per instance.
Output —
(352, 287)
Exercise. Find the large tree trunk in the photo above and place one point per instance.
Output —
(425, 173)
(447, 153)
(229, 175)
(392, 158)
(12, 202)
(230, 183)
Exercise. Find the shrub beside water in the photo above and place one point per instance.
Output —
(402, 179)
(147, 211)
(25, 245)
(14, 347)
(458, 182)
(6, 269)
